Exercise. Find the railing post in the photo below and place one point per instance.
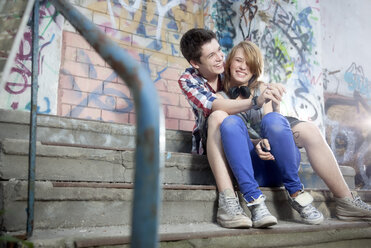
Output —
(33, 121)
(150, 131)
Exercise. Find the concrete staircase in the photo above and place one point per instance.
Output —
(84, 173)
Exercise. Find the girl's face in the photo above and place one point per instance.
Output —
(240, 72)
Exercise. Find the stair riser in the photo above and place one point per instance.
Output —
(84, 164)
(56, 129)
(66, 207)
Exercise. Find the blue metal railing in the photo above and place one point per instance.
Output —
(33, 120)
(150, 129)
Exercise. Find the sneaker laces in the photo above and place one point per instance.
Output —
(361, 204)
(309, 211)
(262, 211)
(233, 206)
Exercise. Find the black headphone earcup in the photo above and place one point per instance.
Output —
(245, 91)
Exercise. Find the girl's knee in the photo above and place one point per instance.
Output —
(307, 133)
(216, 118)
(274, 122)
(273, 117)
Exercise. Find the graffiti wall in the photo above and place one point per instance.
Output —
(306, 46)
(347, 84)
(16, 92)
(288, 34)
(150, 31)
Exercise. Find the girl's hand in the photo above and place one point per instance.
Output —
(275, 93)
(271, 93)
(263, 148)
(280, 90)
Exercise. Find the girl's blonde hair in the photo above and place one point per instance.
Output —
(254, 61)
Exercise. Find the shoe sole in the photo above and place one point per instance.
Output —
(313, 222)
(265, 222)
(234, 224)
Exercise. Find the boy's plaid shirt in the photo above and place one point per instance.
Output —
(200, 96)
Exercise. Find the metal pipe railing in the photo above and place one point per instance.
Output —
(33, 120)
(150, 130)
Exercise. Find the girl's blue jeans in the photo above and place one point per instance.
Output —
(249, 170)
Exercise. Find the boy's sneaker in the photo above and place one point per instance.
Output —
(230, 213)
(352, 209)
(302, 203)
(260, 215)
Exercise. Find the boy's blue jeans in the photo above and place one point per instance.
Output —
(249, 170)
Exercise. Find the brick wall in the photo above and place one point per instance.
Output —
(88, 87)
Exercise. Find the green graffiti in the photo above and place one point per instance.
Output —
(283, 56)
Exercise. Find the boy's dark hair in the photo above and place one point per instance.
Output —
(193, 40)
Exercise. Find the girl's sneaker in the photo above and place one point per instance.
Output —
(302, 203)
(352, 209)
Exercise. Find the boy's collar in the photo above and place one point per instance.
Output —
(220, 76)
(220, 82)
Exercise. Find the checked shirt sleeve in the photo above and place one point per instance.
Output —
(197, 93)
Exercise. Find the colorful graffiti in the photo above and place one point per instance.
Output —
(161, 10)
(157, 25)
(224, 28)
(356, 80)
(16, 90)
(289, 52)
(348, 133)
(286, 34)
(348, 119)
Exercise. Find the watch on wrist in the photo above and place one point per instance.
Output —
(255, 105)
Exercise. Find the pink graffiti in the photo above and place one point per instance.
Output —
(14, 105)
(20, 67)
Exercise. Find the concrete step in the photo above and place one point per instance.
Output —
(72, 205)
(64, 130)
(87, 204)
(102, 164)
(330, 234)
(69, 163)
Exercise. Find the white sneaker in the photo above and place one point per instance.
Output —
(230, 213)
(303, 205)
(352, 209)
(260, 215)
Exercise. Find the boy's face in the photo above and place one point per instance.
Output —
(212, 59)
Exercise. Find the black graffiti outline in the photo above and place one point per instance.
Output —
(250, 7)
(292, 25)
